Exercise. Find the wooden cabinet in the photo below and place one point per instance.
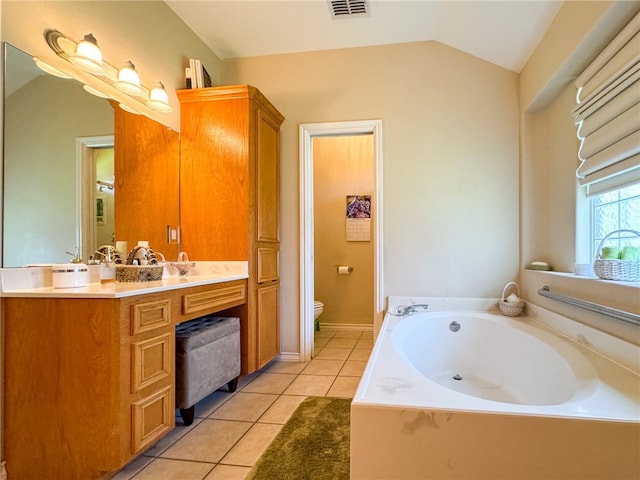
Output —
(230, 199)
(90, 383)
(147, 171)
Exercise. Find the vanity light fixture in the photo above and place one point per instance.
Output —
(127, 108)
(93, 91)
(45, 67)
(122, 85)
(158, 99)
(128, 79)
(88, 55)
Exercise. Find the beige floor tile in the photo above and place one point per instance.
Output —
(209, 441)
(132, 468)
(344, 387)
(328, 353)
(348, 334)
(282, 409)
(168, 469)
(360, 354)
(244, 380)
(316, 351)
(228, 472)
(247, 407)
(323, 367)
(208, 404)
(172, 437)
(337, 342)
(249, 449)
(312, 385)
(286, 367)
(270, 383)
(365, 343)
(352, 368)
(324, 333)
(320, 342)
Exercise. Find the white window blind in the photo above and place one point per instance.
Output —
(607, 114)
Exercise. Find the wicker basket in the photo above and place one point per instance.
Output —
(138, 273)
(613, 269)
(511, 309)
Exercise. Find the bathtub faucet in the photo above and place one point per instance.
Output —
(414, 308)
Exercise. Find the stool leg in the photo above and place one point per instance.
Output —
(233, 384)
(187, 414)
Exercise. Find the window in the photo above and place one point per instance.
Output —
(615, 210)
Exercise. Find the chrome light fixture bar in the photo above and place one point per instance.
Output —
(86, 56)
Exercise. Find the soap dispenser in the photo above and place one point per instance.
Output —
(108, 264)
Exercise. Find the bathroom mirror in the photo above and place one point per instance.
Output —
(60, 193)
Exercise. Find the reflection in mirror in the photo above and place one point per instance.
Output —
(47, 121)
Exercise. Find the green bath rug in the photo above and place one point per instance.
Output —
(312, 445)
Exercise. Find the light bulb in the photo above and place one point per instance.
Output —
(158, 99)
(88, 56)
(128, 80)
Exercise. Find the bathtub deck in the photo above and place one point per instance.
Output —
(404, 426)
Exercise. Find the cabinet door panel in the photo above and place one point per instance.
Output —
(152, 417)
(268, 318)
(151, 361)
(267, 265)
(268, 180)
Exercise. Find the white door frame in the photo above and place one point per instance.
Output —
(307, 132)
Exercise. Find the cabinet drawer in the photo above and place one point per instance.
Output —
(151, 361)
(150, 315)
(267, 265)
(151, 418)
(196, 302)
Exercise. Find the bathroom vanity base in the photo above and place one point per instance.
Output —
(90, 382)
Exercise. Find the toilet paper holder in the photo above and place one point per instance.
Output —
(344, 269)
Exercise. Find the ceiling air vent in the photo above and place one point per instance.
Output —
(341, 8)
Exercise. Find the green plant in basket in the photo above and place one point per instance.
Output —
(630, 253)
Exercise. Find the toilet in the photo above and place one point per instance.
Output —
(318, 307)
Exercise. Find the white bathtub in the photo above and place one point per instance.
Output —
(500, 397)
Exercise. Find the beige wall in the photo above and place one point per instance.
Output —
(342, 166)
(450, 151)
(549, 160)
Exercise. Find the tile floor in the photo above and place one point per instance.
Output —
(232, 430)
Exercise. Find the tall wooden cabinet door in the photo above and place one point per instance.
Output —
(267, 179)
(268, 323)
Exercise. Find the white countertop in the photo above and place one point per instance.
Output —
(36, 282)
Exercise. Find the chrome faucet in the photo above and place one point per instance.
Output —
(413, 308)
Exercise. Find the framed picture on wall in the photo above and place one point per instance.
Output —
(358, 222)
(100, 211)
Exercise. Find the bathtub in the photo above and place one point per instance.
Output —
(474, 394)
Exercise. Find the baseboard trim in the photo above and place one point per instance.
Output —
(288, 357)
(363, 327)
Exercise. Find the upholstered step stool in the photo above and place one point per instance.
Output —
(207, 357)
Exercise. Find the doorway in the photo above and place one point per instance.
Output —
(90, 183)
(307, 270)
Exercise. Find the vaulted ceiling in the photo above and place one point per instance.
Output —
(502, 32)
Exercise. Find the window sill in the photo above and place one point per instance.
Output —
(589, 280)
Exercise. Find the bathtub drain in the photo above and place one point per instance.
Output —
(457, 376)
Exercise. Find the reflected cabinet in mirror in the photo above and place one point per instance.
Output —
(79, 172)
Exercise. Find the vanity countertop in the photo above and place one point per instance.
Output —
(36, 283)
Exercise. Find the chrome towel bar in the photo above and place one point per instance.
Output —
(594, 307)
